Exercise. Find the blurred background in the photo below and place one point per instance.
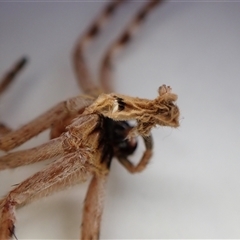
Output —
(191, 187)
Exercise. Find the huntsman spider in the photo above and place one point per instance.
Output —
(87, 132)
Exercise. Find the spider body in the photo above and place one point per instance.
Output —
(87, 131)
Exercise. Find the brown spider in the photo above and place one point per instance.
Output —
(87, 131)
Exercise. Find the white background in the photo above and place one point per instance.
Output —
(191, 187)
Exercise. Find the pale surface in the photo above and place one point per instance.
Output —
(191, 187)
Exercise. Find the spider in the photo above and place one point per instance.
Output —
(87, 131)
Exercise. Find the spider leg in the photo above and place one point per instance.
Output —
(93, 208)
(59, 171)
(4, 129)
(148, 141)
(81, 69)
(80, 66)
(6, 81)
(9, 76)
(45, 151)
(69, 181)
(60, 111)
(121, 42)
